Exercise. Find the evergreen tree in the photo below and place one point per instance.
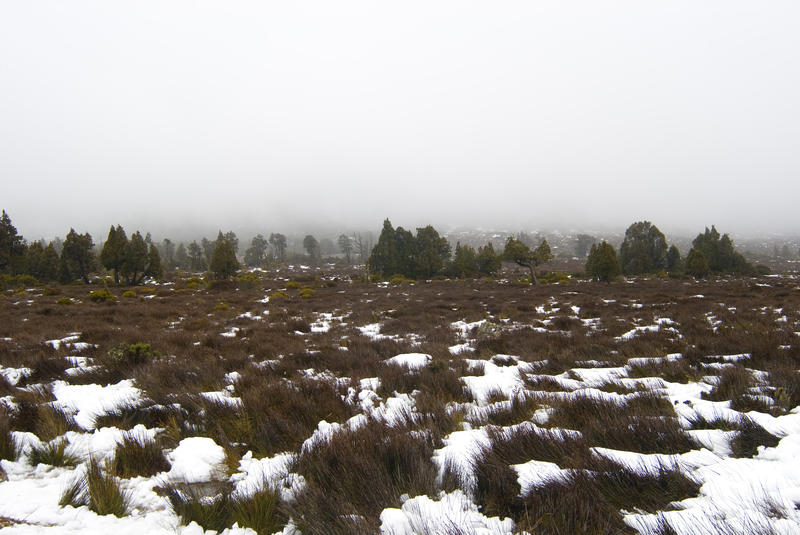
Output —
(208, 248)
(78, 257)
(181, 260)
(135, 259)
(223, 263)
(432, 252)
(311, 245)
(518, 252)
(673, 259)
(719, 253)
(383, 259)
(278, 243)
(197, 261)
(115, 250)
(696, 264)
(256, 254)
(48, 267)
(33, 259)
(231, 238)
(465, 262)
(488, 262)
(644, 249)
(12, 247)
(154, 269)
(602, 262)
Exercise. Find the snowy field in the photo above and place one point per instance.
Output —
(443, 407)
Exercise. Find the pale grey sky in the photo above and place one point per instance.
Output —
(269, 114)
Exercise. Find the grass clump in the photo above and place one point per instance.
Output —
(220, 509)
(101, 296)
(8, 448)
(100, 491)
(137, 457)
(52, 453)
(750, 436)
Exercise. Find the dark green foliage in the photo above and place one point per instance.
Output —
(101, 296)
(488, 262)
(114, 251)
(223, 261)
(256, 254)
(644, 249)
(153, 268)
(77, 257)
(720, 253)
(432, 251)
(135, 263)
(398, 252)
(674, 263)
(602, 262)
(12, 247)
(131, 354)
(464, 262)
(696, 264)
(42, 262)
(231, 238)
(518, 252)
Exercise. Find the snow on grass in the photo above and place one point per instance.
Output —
(271, 472)
(460, 348)
(505, 380)
(458, 454)
(451, 513)
(87, 402)
(197, 460)
(535, 474)
(222, 397)
(230, 333)
(412, 361)
(15, 375)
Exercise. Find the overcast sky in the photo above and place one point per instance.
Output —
(181, 115)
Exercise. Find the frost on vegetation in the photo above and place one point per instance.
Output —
(450, 513)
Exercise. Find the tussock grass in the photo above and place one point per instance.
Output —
(52, 453)
(751, 435)
(134, 457)
(361, 472)
(100, 491)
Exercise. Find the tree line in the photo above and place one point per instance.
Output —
(644, 250)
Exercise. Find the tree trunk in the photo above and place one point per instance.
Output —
(533, 275)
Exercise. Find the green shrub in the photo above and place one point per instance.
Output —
(293, 285)
(221, 306)
(64, 301)
(306, 292)
(51, 290)
(129, 294)
(101, 296)
(277, 296)
(132, 354)
(554, 277)
(399, 279)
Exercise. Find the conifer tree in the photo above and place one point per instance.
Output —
(181, 258)
(673, 259)
(135, 259)
(432, 252)
(488, 262)
(197, 261)
(154, 269)
(48, 267)
(644, 249)
(383, 259)
(12, 246)
(115, 250)
(602, 262)
(696, 264)
(256, 254)
(465, 262)
(223, 262)
(78, 257)
(311, 245)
